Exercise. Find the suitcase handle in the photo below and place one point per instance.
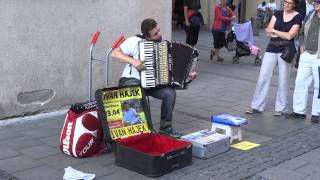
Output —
(82, 107)
(95, 37)
(175, 155)
(117, 43)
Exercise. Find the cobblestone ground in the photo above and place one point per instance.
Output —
(236, 164)
(6, 176)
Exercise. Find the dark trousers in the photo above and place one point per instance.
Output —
(166, 94)
(192, 33)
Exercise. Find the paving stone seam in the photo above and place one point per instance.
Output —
(8, 176)
(7, 122)
(191, 115)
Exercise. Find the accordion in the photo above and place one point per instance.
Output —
(166, 63)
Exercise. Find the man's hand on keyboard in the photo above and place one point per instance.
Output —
(138, 64)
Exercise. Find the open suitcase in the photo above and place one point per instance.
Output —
(137, 146)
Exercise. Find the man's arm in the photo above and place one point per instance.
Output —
(120, 56)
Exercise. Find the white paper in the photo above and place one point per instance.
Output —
(73, 174)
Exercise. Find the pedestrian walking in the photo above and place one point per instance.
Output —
(223, 16)
(193, 19)
(178, 10)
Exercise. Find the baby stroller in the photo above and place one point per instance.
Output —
(240, 39)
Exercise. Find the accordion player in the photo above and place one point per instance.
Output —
(167, 63)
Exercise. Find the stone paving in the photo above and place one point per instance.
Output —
(236, 164)
(289, 148)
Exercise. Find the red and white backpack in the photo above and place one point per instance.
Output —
(82, 135)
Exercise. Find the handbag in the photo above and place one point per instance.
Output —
(277, 42)
(288, 53)
(196, 19)
(231, 44)
(289, 50)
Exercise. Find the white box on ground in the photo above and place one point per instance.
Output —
(207, 143)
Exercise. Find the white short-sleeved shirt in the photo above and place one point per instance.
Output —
(130, 47)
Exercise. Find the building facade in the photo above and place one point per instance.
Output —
(44, 51)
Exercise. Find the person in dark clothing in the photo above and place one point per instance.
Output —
(231, 5)
(193, 20)
(301, 8)
(178, 10)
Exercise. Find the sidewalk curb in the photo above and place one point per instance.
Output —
(25, 119)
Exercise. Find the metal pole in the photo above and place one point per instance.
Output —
(107, 66)
(90, 74)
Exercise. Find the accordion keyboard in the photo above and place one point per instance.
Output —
(147, 54)
(155, 57)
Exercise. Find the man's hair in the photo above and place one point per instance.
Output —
(147, 25)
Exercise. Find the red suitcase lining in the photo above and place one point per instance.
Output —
(153, 144)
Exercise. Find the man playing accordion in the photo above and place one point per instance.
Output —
(128, 52)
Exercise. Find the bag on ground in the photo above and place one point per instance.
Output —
(82, 135)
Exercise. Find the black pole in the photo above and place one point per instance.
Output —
(242, 11)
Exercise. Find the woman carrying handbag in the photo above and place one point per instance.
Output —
(282, 29)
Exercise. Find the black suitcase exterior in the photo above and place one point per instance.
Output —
(146, 152)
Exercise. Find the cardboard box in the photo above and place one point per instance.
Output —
(206, 143)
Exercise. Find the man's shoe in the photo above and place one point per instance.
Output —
(314, 119)
(170, 132)
(294, 115)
